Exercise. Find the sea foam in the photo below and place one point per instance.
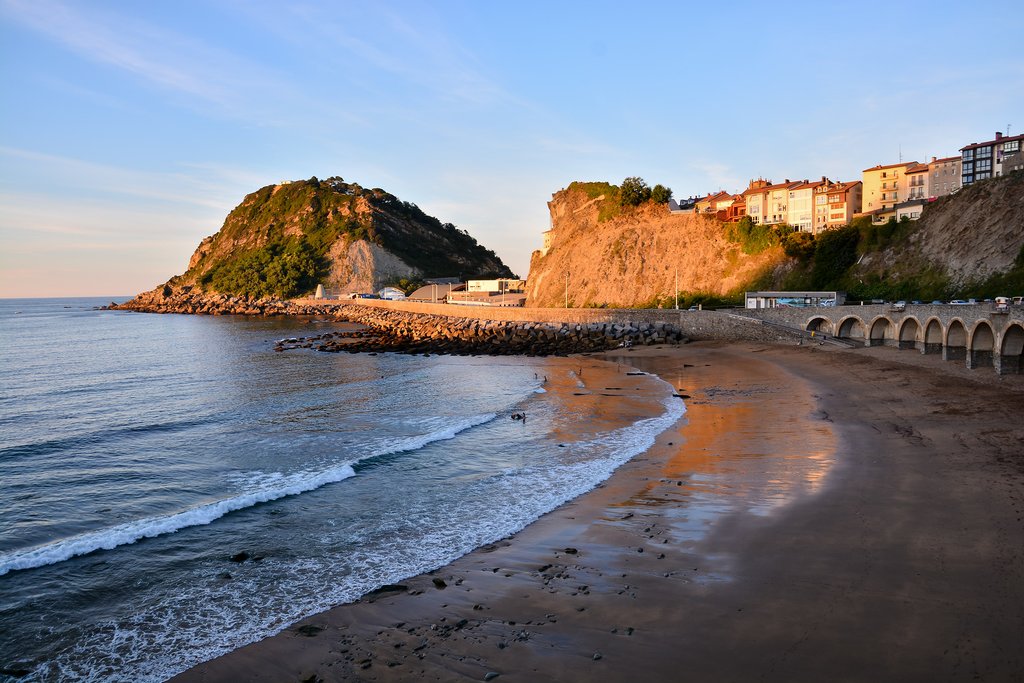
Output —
(262, 488)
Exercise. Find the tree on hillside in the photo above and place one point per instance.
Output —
(634, 191)
(661, 194)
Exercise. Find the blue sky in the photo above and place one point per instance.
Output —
(128, 130)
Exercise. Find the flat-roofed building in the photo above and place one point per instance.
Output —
(884, 188)
(943, 176)
(793, 299)
(983, 160)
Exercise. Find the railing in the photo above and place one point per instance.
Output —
(802, 333)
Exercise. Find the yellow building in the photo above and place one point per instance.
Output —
(884, 188)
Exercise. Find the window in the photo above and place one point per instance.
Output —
(968, 154)
(982, 176)
(983, 153)
(968, 167)
(983, 165)
(1011, 146)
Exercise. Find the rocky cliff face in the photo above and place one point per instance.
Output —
(283, 240)
(634, 256)
(967, 237)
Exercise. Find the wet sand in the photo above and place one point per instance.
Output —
(816, 515)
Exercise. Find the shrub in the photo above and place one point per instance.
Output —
(634, 191)
(661, 194)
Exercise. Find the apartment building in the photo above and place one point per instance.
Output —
(801, 206)
(943, 176)
(885, 187)
(917, 181)
(983, 160)
(844, 201)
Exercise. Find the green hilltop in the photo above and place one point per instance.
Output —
(282, 240)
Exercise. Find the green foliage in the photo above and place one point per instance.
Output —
(281, 269)
(834, 252)
(661, 194)
(799, 245)
(595, 190)
(407, 285)
(878, 237)
(706, 300)
(754, 239)
(633, 191)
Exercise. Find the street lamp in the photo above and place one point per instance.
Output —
(677, 288)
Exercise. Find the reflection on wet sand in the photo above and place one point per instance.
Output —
(744, 447)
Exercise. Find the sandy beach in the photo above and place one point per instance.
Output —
(817, 515)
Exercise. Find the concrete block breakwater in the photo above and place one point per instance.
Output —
(420, 332)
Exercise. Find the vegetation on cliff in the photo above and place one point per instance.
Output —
(280, 241)
(611, 199)
(970, 244)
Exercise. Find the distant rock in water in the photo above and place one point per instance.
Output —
(284, 240)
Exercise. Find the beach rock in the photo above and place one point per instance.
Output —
(491, 675)
(571, 551)
(439, 582)
(240, 557)
(309, 630)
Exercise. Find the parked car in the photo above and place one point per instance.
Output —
(957, 302)
(936, 302)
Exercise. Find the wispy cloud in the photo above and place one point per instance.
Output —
(211, 80)
(134, 46)
(208, 186)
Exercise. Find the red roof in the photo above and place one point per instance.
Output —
(882, 168)
(975, 145)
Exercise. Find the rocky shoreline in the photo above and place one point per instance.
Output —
(406, 332)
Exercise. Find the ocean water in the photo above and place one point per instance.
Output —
(140, 453)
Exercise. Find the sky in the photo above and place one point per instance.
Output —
(128, 130)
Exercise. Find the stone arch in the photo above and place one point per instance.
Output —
(933, 336)
(881, 332)
(982, 346)
(851, 328)
(1011, 351)
(956, 341)
(819, 324)
(910, 329)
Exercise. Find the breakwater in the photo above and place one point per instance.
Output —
(441, 328)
